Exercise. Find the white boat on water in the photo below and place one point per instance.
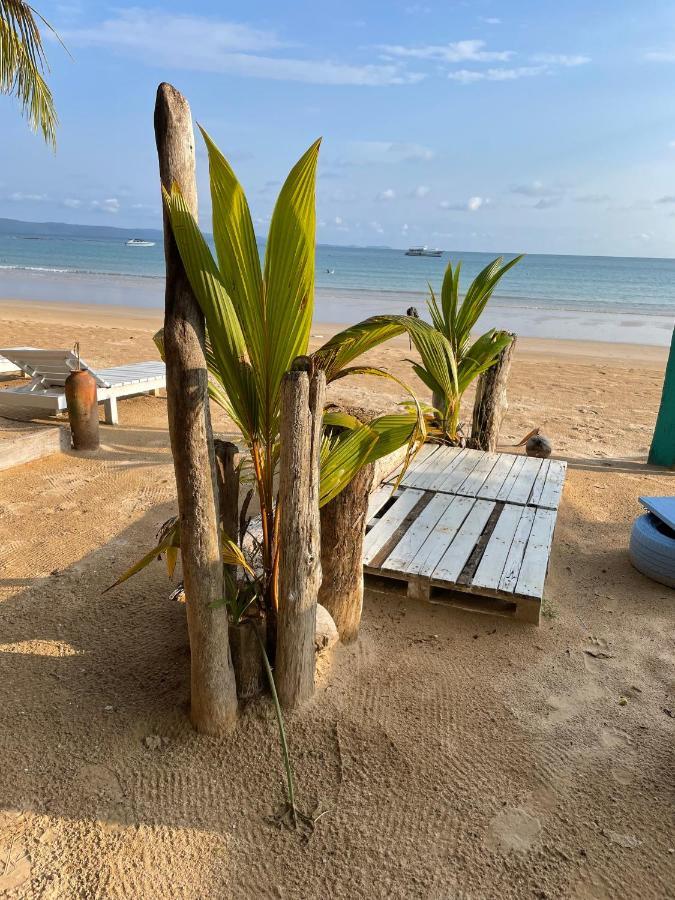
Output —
(422, 251)
(138, 242)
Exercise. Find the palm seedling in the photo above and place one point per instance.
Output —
(456, 320)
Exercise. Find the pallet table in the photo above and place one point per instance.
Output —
(470, 527)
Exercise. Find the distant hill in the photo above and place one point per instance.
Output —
(63, 229)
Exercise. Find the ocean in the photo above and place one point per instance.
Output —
(580, 297)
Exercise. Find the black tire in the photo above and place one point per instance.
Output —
(652, 549)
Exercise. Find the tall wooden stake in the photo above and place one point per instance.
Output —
(213, 700)
(343, 527)
(662, 451)
(302, 403)
(490, 405)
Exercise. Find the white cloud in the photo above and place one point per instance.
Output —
(547, 202)
(593, 198)
(666, 56)
(671, 144)
(561, 59)
(546, 195)
(360, 153)
(111, 205)
(377, 228)
(473, 204)
(469, 76)
(338, 220)
(421, 191)
(19, 196)
(459, 51)
(211, 45)
(490, 20)
(72, 203)
(387, 194)
(534, 189)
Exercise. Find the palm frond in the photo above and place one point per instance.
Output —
(23, 64)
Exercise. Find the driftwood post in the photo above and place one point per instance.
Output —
(302, 399)
(490, 405)
(227, 476)
(213, 699)
(343, 527)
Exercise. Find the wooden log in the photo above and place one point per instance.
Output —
(299, 535)
(227, 476)
(213, 698)
(247, 659)
(343, 528)
(491, 404)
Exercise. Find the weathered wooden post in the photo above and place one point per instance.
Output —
(213, 701)
(343, 527)
(302, 400)
(662, 450)
(227, 477)
(491, 404)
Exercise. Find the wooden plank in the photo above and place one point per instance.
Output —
(29, 445)
(377, 500)
(421, 458)
(535, 560)
(443, 462)
(521, 490)
(441, 537)
(493, 483)
(511, 478)
(407, 548)
(378, 536)
(539, 482)
(489, 571)
(475, 480)
(468, 462)
(414, 473)
(555, 480)
(509, 578)
(454, 558)
(472, 563)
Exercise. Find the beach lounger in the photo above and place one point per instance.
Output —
(471, 528)
(48, 370)
(7, 367)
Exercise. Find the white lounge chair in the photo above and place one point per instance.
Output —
(7, 367)
(48, 370)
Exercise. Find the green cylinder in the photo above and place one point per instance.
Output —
(82, 402)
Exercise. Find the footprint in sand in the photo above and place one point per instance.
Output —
(513, 829)
(622, 756)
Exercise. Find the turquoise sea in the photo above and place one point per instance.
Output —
(601, 298)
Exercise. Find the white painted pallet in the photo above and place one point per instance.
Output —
(471, 528)
(507, 477)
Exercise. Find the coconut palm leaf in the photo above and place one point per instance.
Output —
(226, 337)
(23, 64)
(289, 278)
(237, 252)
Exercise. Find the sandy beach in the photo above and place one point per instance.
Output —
(455, 755)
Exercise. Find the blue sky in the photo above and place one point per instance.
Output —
(473, 125)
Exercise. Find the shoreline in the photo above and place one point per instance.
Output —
(148, 320)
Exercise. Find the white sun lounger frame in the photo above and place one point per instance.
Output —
(48, 370)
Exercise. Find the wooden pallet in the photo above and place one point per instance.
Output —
(471, 528)
(505, 477)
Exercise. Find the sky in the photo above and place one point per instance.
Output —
(541, 127)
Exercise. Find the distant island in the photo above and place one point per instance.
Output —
(64, 229)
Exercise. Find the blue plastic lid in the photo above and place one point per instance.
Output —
(662, 507)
